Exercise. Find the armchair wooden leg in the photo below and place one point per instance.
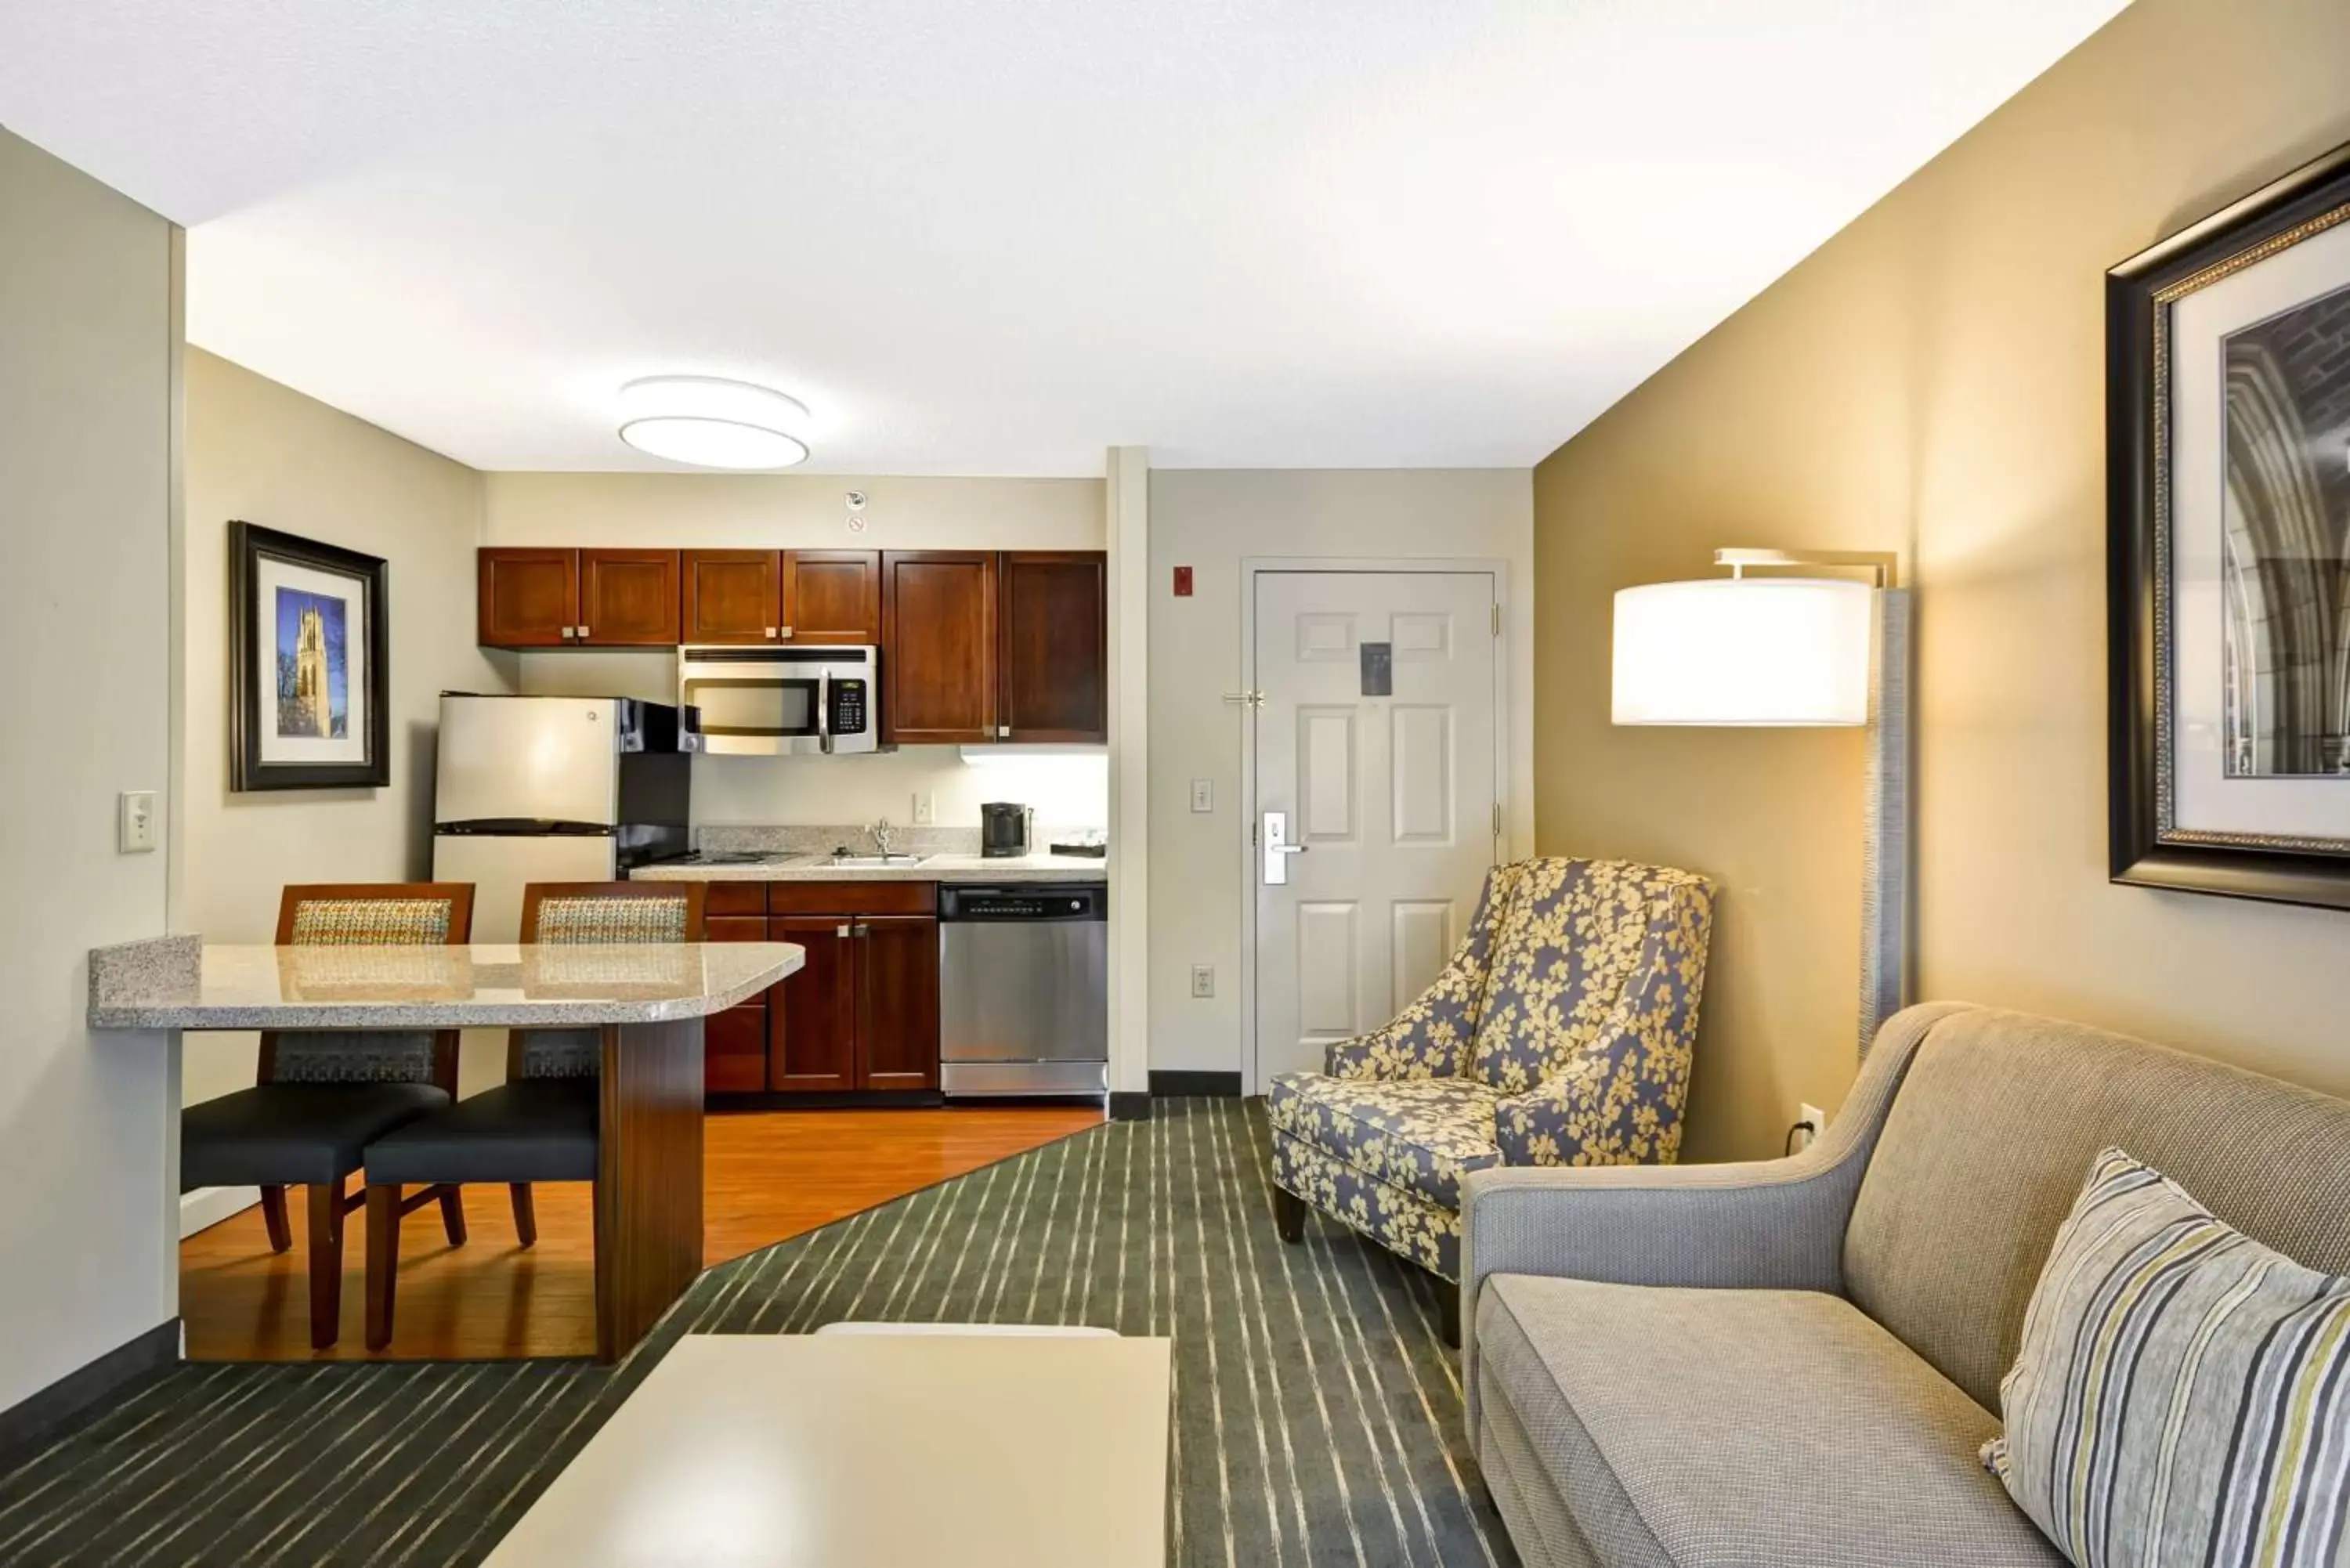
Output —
(452, 1214)
(1448, 1310)
(272, 1217)
(526, 1216)
(1289, 1216)
(326, 1205)
(383, 1260)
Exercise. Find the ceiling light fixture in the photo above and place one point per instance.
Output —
(712, 422)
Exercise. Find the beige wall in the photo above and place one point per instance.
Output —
(1212, 520)
(1931, 381)
(89, 318)
(264, 453)
(807, 511)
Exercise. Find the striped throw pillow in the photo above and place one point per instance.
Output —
(2183, 1393)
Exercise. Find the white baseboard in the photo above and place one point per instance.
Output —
(208, 1206)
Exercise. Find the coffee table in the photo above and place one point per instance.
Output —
(871, 1451)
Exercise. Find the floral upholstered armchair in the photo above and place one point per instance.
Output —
(1560, 1034)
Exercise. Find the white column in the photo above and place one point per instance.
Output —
(1129, 757)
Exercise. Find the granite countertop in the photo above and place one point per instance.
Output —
(177, 982)
(944, 868)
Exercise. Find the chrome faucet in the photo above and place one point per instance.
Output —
(883, 836)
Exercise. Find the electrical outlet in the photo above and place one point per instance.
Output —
(1819, 1120)
(926, 809)
(1203, 979)
(134, 826)
(1203, 795)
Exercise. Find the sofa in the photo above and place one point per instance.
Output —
(1794, 1362)
(1559, 1033)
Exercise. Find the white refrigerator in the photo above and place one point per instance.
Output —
(556, 789)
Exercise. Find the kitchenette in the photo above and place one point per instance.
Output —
(893, 761)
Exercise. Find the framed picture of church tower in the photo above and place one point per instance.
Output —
(309, 669)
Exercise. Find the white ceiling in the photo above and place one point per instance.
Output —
(996, 238)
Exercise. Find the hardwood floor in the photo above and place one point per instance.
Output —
(768, 1175)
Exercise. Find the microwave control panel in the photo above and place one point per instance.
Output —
(849, 707)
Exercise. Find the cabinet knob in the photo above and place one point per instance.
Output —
(583, 633)
(841, 932)
(784, 631)
(1003, 732)
(567, 633)
(771, 631)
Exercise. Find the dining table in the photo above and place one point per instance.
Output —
(648, 1000)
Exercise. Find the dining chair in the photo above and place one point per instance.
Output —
(320, 1096)
(541, 1123)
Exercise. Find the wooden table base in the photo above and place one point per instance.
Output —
(648, 1182)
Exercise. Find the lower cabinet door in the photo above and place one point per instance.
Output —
(812, 1015)
(898, 1020)
(735, 1050)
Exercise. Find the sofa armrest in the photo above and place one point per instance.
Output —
(1765, 1224)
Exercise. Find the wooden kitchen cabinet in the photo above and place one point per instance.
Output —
(628, 598)
(731, 595)
(938, 636)
(735, 1042)
(832, 596)
(1052, 646)
(527, 597)
(535, 598)
(812, 1035)
(897, 1002)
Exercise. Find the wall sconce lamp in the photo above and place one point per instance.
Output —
(1804, 651)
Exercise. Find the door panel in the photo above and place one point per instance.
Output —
(734, 1051)
(732, 596)
(833, 596)
(527, 598)
(1389, 787)
(1055, 649)
(629, 599)
(897, 1017)
(938, 660)
(812, 1015)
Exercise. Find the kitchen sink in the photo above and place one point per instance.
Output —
(872, 862)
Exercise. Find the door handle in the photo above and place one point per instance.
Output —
(1277, 848)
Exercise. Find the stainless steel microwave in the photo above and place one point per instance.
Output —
(780, 701)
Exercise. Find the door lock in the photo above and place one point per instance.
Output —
(1277, 848)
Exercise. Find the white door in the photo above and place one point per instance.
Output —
(1375, 761)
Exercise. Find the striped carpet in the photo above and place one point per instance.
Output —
(1318, 1415)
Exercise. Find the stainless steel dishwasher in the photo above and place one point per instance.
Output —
(1024, 990)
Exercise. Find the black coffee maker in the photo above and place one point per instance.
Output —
(1005, 828)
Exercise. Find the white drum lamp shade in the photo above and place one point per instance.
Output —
(1743, 651)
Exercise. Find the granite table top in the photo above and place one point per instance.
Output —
(178, 983)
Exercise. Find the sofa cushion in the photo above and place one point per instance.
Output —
(2180, 1395)
(1419, 1135)
(1703, 1428)
(1983, 1151)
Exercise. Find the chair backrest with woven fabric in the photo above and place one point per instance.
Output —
(576, 914)
(369, 914)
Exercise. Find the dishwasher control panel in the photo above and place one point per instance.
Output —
(1084, 902)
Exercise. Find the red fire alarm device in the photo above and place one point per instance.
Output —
(1182, 582)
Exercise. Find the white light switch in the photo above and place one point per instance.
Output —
(1203, 795)
(134, 828)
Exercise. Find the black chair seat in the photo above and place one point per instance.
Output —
(282, 1134)
(539, 1129)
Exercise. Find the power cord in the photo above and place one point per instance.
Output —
(1788, 1148)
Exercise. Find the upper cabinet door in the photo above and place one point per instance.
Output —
(629, 599)
(832, 595)
(938, 632)
(1054, 646)
(732, 595)
(527, 598)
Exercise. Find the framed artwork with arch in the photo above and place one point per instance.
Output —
(309, 664)
(2228, 549)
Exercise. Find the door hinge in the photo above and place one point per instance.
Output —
(1497, 621)
(1497, 819)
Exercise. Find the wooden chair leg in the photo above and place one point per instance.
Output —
(326, 1204)
(526, 1216)
(1447, 1308)
(273, 1216)
(452, 1214)
(1289, 1216)
(383, 1260)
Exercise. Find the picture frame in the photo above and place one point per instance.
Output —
(2227, 549)
(309, 664)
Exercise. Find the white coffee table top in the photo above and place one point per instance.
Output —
(855, 1451)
